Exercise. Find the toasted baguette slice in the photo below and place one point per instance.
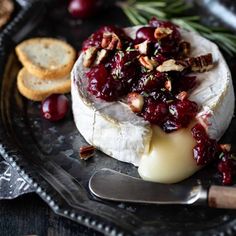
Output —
(6, 9)
(46, 58)
(37, 89)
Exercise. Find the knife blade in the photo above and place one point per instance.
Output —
(111, 185)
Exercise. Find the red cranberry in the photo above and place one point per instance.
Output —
(83, 8)
(226, 167)
(204, 153)
(102, 85)
(150, 82)
(55, 107)
(154, 22)
(162, 96)
(113, 29)
(97, 79)
(160, 59)
(167, 45)
(145, 33)
(124, 66)
(175, 35)
(96, 38)
(171, 125)
(183, 111)
(186, 83)
(155, 112)
(206, 149)
(199, 133)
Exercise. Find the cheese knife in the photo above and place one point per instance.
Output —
(111, 185)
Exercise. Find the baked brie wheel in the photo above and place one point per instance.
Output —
(161, 157)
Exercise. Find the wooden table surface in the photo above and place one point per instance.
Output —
(29, 215)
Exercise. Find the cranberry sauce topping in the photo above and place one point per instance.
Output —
(114, 79)
(227, 167)
(151, 72)
(119, 65)
(103, 85)
(207, 150)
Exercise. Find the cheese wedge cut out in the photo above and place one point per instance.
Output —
(114, 129)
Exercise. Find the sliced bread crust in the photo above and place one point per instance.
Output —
(6, 9)
(46, 58)
(37, 89)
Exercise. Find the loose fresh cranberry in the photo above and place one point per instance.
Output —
(83, 8)
(55, 107)
(145, 33)
(155, 112)
(183, 111)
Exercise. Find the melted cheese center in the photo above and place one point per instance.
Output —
(170, 157)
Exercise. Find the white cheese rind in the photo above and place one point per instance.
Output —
(111, 127)
(215, 93)
(118, 132)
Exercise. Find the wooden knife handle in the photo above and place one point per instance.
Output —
(222, 197)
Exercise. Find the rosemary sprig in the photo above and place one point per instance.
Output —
(140, 11)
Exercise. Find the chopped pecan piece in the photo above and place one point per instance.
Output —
(184, 49)
(225, 147)
(171, 65)
(162, 32)
(142, 47)
(147, 63)
(135, 101)
(201, 63)
(111, 41)
(101, 55)
(89, 56)
(86, 152)
(196, 64)
(182, 95)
